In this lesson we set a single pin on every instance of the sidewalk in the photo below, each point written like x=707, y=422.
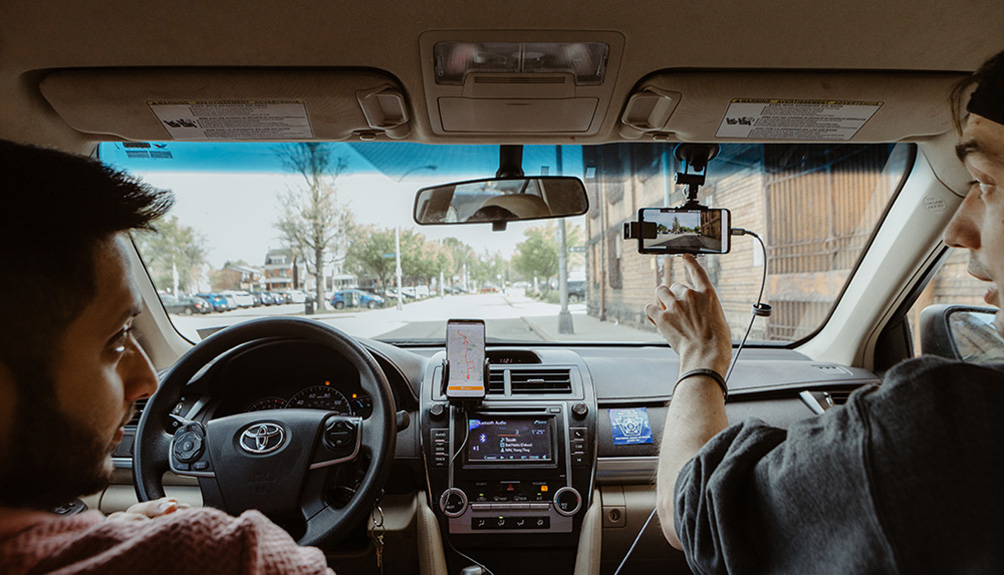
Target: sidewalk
x=587, y=328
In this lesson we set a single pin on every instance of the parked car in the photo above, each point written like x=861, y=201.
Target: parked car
x=356, y=298
x=185, y=305
x=576, y=290
x=242, y=299
x=218, y=301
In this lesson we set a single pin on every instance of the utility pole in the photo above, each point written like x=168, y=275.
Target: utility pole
x=397, y=240
x=564, y=316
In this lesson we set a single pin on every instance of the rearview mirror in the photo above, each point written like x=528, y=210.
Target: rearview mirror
x=501, y=200
x=961, y=332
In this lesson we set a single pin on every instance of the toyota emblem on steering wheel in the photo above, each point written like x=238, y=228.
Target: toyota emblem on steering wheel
x=262, y=438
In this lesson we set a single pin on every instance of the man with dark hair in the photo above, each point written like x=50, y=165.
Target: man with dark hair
x=70, y=372
x=904, y=478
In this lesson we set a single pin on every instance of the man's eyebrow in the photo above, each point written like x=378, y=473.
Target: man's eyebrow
x=963, y=149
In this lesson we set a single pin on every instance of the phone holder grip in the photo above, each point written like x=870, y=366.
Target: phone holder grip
x=446, y=380
x=643, y=230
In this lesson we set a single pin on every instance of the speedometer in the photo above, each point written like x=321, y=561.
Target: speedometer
x=266, y=403
x=321, y=397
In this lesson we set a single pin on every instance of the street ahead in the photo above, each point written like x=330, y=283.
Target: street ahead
x=509, y=317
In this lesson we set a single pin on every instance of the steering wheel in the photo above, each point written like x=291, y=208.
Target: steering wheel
x=275, y=461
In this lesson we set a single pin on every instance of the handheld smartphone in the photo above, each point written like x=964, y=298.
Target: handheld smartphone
x=684, y=230
x=465, y=358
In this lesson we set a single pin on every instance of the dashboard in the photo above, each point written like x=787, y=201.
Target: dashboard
x=565, y=443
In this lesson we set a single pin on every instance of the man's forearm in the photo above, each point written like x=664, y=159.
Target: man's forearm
x=695, y=415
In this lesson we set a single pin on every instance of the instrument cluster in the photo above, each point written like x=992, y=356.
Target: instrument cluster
x=326, y=396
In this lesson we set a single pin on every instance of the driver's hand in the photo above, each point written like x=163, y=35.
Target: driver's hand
x=692, y=321
x=150, y=510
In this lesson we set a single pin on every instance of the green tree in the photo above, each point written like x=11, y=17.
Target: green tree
x=537, y=255
x=313, y=221
x=173, y=246
x=366, y=255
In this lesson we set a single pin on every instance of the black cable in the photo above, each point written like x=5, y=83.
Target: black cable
x=760, y=309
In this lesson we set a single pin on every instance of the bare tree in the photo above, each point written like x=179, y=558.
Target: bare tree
x=313, y=221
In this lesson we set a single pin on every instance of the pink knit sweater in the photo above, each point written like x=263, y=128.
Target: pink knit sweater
x=191, y=541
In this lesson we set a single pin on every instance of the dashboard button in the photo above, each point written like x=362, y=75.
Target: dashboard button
x=567, y=501
x=540, y=523
x=453, y=502
x=540, y=506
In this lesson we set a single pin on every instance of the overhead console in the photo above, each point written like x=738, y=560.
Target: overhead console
x=517, y=469
x=519, y=82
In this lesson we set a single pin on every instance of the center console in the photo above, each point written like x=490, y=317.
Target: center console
x=518, y=467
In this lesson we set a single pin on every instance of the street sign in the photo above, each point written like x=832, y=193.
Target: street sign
x=389, y=256
x=576, y=249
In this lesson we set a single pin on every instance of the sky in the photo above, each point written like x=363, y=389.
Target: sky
x=229, y=192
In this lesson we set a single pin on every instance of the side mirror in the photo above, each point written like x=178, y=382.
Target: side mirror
x=501, y=200
x=961, y=332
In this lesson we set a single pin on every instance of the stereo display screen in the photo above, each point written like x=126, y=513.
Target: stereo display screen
x=512, y=438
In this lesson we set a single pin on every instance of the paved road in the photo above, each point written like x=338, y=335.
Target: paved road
x=510, y=317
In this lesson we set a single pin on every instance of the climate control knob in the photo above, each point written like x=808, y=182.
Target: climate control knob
x=567, y=501
x=453, y=502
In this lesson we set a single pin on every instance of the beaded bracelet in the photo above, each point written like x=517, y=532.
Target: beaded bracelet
x=708, y=373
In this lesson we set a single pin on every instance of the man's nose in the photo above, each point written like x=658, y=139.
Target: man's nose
x=963, y=231
x=139, y=378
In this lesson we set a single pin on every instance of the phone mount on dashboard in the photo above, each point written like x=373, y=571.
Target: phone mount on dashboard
x=694, y=157
x=465, y=402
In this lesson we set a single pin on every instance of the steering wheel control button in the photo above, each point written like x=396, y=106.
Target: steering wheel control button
x=262, y=438
x=567, y=501
x=453, y=502
x=340, y=435
x=188, y=443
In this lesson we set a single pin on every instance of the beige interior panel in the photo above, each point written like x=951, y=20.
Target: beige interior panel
x=913, y=105
x=517, y=116
x=117, y=102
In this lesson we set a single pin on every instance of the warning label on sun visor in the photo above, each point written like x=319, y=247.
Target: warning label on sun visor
x=778, y=119
x=234, y=119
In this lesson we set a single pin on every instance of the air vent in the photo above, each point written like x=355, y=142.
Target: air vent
x=496, y=382
x=540, y=381
x=140, y=405
x=820, y=401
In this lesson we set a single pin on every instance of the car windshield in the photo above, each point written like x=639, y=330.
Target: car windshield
x=326, y=230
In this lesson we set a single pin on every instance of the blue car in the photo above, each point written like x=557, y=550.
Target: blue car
x=355, y=298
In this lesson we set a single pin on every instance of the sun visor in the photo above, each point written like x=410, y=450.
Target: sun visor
x=230, y=104
x=789, y=106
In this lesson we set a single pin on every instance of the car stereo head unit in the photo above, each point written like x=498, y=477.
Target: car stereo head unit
x=510, y=439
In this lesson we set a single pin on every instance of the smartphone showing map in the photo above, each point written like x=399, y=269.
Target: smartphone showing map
x=465, y=356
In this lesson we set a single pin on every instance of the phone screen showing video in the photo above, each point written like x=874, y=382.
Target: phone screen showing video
x=686, y=231
x=465, y=355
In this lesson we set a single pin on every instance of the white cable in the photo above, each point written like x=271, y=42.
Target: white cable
x=636, y=540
